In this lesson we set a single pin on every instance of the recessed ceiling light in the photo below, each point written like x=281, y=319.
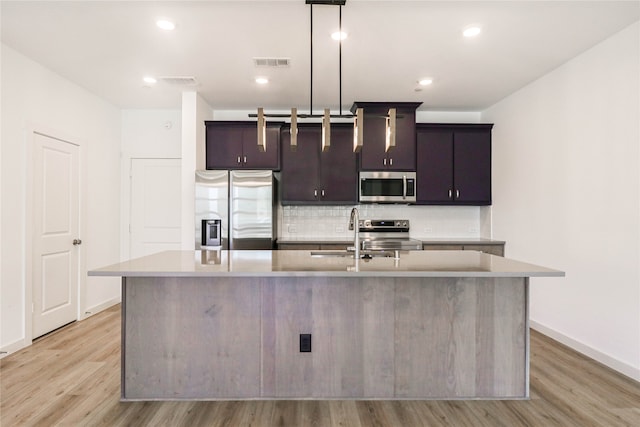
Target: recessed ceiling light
x=262, y=80
x=165, y=24
x=149, y=80
x=471, y=31
x=339, y=35
x=425, y=82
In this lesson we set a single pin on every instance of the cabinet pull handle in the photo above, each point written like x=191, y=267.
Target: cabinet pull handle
x=238, y=159
x=245, y=159
x=450, y=193
x=322, y=193
x=390, y=162
x=457, y=194
x=384, y=162
x=315, y=193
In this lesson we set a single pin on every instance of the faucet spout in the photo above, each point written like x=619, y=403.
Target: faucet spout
x=354, y=224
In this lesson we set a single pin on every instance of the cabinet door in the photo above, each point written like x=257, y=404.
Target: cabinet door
x=373, y=156
x=472, y=166
x=435, y=166
x=299, y=169
x=338, y=168
x=403, y=156
x=252, y=157
x=224, y=146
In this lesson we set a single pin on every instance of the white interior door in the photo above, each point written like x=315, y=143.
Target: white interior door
x=155, y=206
x=56, y=233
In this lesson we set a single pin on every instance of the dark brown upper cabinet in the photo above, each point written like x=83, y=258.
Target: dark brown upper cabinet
x=453, y=164
x=311, y=176
x=373, y=156
x=234, y=145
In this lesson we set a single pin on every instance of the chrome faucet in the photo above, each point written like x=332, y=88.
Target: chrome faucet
x=354, y=224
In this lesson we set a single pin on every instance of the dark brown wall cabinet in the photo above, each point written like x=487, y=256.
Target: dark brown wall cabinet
x=310, y=176
x=454, y=164
x=373, y=156
x=234, y=145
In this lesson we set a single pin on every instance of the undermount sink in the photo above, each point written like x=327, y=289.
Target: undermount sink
x=349, y=254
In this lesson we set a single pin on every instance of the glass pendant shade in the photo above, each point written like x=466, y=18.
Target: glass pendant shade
x=358, y=131
x=390, y=138
x=326, y=130
x=262, y=130
x=294, y=129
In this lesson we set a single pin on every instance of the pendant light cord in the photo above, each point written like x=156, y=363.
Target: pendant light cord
x=340, y=56
x=311, y=61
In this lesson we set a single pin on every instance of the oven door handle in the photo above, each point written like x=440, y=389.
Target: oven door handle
x=404, y=187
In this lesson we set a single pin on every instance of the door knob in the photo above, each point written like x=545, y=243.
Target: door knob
x=77, y=242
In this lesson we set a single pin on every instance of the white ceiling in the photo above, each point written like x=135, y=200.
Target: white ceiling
x=107, y=47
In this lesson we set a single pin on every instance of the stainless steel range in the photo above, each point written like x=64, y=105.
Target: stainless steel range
x=387, y=234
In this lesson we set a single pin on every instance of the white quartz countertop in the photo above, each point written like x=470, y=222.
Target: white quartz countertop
x=301, y=263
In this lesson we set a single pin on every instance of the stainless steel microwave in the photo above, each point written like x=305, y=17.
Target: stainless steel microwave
x=387, y=187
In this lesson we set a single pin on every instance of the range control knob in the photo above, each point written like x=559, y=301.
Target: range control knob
x=405, y=224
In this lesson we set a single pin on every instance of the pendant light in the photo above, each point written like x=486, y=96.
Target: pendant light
x=262, y=130
x=390, y=131
x=294, y=129
x=326, y=117
x=326, y=130
x=358, y=131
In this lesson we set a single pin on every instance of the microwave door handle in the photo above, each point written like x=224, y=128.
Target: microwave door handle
x=404, y=187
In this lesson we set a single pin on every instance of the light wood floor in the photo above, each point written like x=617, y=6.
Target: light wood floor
x=72, y=378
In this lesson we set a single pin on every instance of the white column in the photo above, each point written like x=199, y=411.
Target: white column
x=195, y=111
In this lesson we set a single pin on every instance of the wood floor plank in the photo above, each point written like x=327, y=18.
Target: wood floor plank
x=72, y=378
x=344, y=414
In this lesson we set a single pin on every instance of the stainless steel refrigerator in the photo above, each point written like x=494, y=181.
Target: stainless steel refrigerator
x=243, y=202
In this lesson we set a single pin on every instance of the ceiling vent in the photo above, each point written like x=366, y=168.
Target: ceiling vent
x=179, y=80
x=272, y=62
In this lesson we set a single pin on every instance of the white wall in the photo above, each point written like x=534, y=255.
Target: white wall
x=566, y=194
x=148, y=134
x=35, y=97
x=195, y=111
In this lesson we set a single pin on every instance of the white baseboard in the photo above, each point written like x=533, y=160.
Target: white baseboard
x=13, y=347
x=90, y=311
x=615, y=364
x=22, y=343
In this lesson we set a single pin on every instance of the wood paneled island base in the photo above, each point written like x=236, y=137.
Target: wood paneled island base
x=404, y=338
x=434, y=325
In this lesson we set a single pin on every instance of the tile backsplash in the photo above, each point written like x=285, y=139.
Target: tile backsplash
x=331, y=222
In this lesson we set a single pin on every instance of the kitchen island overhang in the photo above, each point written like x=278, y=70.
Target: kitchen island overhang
x=227, y=325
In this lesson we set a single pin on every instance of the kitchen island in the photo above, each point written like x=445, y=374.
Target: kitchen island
x=208, y=325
